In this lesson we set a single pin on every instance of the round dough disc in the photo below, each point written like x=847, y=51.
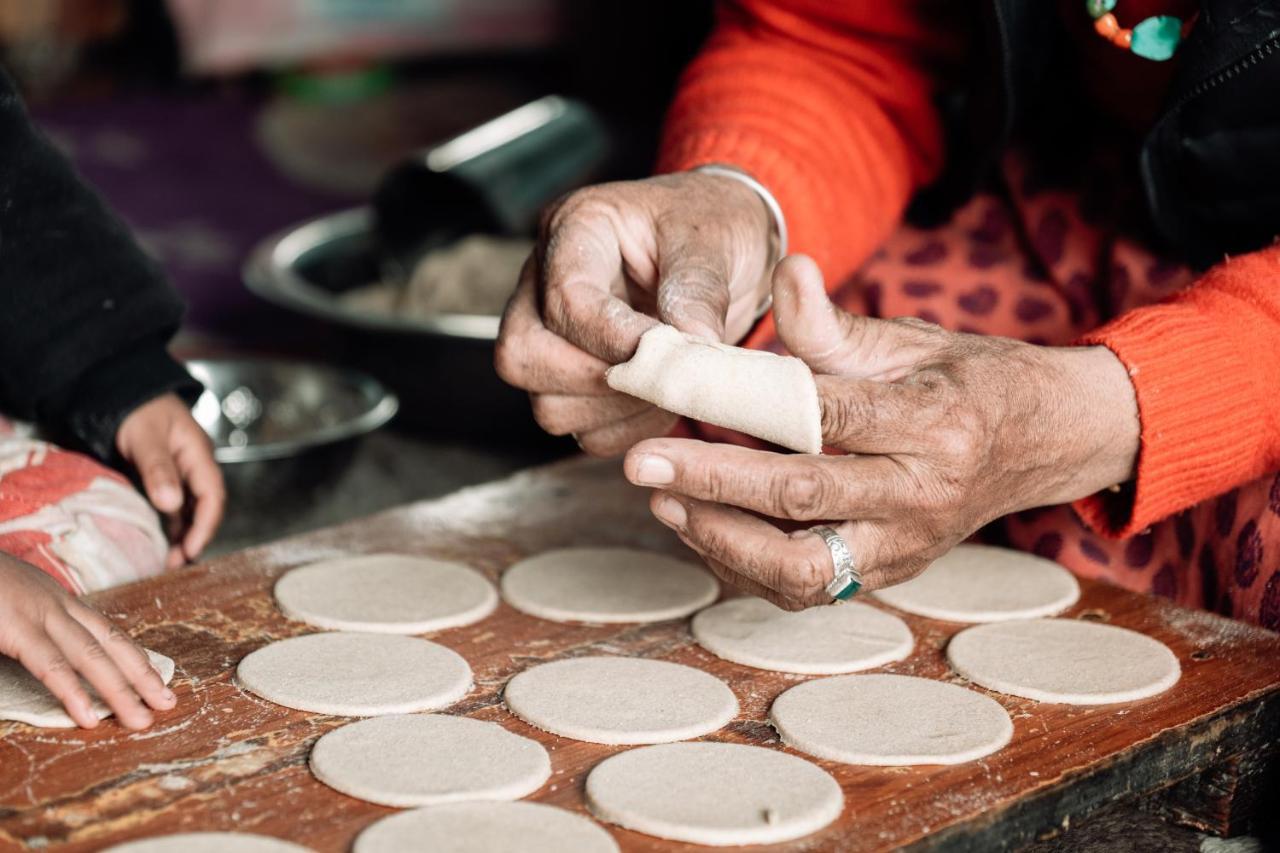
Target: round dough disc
x=427, y=759
x=719, y=794
x=356, y=675
x=607, y=585
x=1064, y=660
x=486, y=828
x=817, y=641
x=890, y=720
x=26, y=700
x=208, y=842
x=979, y=583
x=385, y=594
x=621, y=700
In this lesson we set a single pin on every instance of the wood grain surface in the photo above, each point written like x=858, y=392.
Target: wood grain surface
x=224, y=759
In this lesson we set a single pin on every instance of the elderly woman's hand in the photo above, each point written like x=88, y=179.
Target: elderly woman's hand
x=689, y=249
x=944, y=433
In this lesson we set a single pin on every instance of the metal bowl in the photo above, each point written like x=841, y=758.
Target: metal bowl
x=441, y=367
x=257, y=409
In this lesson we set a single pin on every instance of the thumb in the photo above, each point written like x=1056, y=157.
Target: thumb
x=693, y=295
x=812, y=328
x=148, y=450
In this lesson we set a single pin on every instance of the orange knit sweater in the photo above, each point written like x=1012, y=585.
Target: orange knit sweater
x=830, y=106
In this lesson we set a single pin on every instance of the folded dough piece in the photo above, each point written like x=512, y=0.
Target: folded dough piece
x=769, y=396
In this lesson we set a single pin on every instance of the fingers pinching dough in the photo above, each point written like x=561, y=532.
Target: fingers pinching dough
x=769, y=396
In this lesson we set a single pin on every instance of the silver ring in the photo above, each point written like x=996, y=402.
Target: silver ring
x=846, y=580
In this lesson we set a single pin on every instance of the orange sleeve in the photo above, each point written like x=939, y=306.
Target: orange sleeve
x=1205, y=367
x=829, y=105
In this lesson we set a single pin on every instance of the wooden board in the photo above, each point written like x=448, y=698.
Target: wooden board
x=224, y=759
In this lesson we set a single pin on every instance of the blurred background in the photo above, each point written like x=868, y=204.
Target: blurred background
x=218, y=129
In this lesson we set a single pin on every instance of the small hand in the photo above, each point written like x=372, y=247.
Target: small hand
x=691, y=249
x=60, y=639
x=174, y=458
x=944, y=432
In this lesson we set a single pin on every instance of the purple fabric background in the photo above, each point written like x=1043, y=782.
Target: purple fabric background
x=183, y=169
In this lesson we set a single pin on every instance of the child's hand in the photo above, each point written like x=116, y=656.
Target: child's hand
x=170, y=451
x=60, y=639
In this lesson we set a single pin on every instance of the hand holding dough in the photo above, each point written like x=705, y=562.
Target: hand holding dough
x=769, y=396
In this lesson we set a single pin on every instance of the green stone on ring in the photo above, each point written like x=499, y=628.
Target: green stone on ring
x=1157, y=38
x=1098, y=8
x=848, y=591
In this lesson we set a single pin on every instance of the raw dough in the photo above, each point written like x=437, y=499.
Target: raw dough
x=475, y=275
x=770, y=396
x=26, y=700
x=486, y=828
x=607, y=585
x=719, y=794
x=428, y=759
x=1064, y=660
x=890, y=720
x=385, y=594
x=356, y=675
x=817, y=641
x=978, y=583
x=208, y=842
x=621, y=700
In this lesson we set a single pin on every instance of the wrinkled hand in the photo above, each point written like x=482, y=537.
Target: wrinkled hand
x=689, y=249
x=945, y=432
x=60, y=639
x=174, y=458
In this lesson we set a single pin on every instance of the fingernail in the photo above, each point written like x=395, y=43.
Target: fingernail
x=655, y=471
x=168, y=696
x=168, y=497
x=671, y=512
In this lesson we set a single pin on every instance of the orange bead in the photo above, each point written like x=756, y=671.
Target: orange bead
x=1123, y=38
x=1107, y=25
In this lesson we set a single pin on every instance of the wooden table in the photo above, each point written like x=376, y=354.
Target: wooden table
x=224, y=759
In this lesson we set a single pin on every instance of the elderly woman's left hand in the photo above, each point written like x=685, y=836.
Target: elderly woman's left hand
x=944, y=433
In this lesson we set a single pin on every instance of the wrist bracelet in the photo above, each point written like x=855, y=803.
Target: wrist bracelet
x=775, y=212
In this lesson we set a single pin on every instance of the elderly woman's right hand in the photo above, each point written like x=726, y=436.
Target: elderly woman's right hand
x=692, y=249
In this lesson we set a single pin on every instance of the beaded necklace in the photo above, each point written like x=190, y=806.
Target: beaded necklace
x=1155, y=38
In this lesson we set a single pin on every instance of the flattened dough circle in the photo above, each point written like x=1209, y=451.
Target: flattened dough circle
x=386, y=594
x=25, y=700
x=429, y=759
x=208, y=842
x=1064, y=660
x=607, y=585
x=818, y=641
x=356, y=675
x=883, y=719
x=487, y=827
x=718, y=794
x=979, y=583
x=621, y=700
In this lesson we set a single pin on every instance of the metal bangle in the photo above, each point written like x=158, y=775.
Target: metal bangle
x=775, y=212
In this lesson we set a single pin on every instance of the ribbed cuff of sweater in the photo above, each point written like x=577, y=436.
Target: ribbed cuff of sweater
x=1196, y=389
x=89, y=414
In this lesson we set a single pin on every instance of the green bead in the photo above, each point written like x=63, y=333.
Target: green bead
x=1157, y=38
x=1098, y=8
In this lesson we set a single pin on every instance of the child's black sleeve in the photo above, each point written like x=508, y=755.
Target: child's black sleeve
x=84, y=314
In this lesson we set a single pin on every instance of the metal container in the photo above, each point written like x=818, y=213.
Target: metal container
x=282, y=430
x=494, y=178
x=440, y=367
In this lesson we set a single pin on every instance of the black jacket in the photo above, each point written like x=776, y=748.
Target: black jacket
x=84, y=314
x=1209, y=165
